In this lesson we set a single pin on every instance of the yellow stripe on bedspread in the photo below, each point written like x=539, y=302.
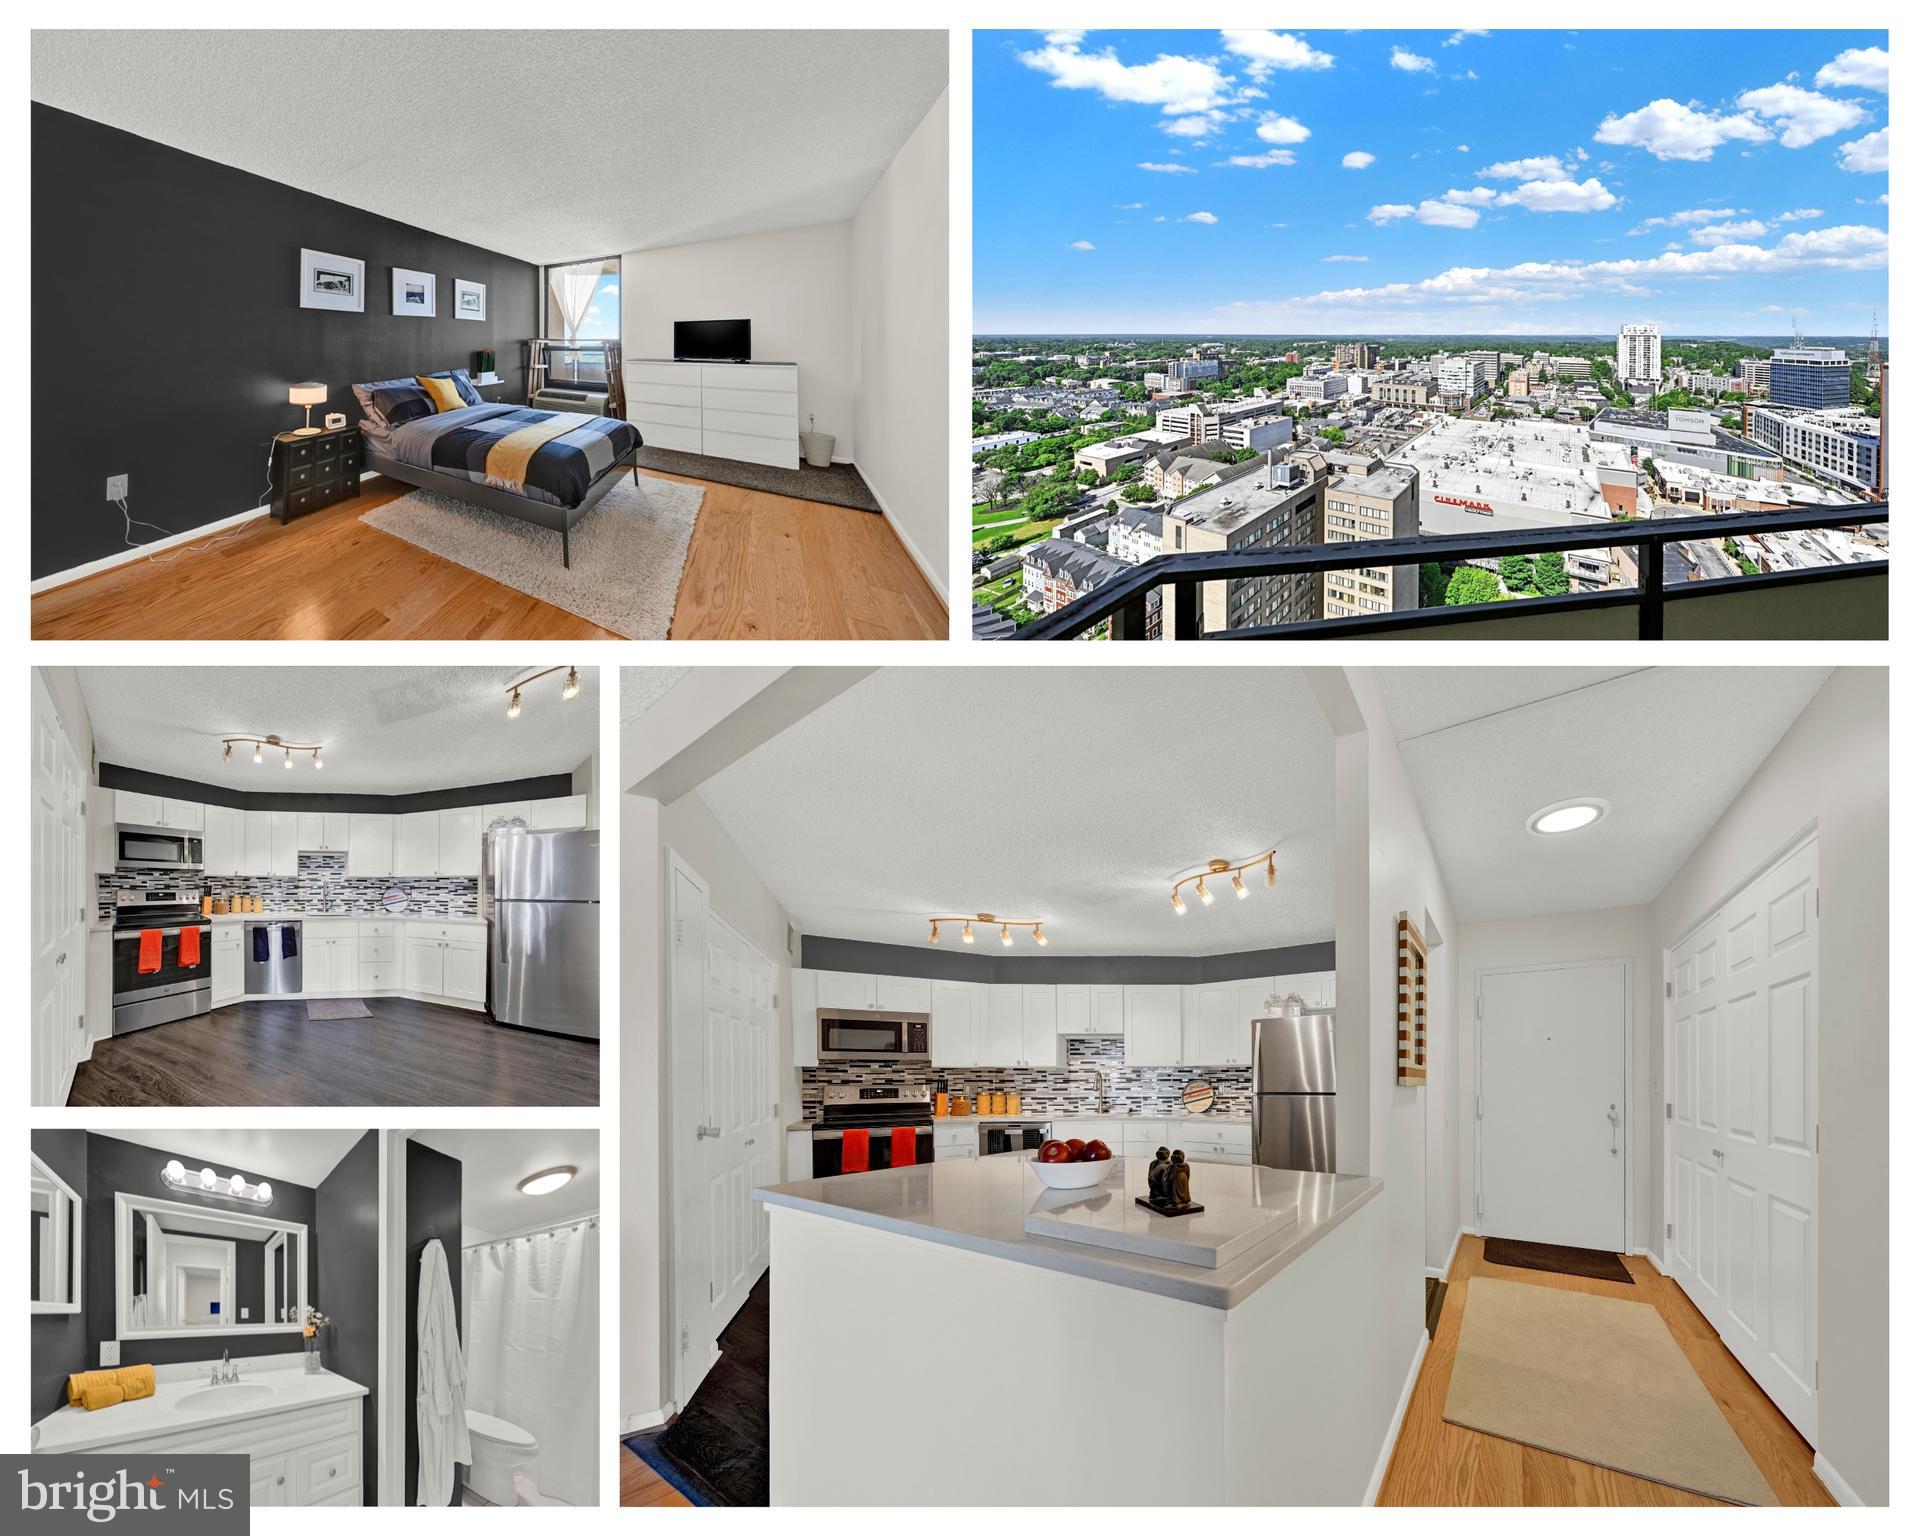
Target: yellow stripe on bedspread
x=507, y=459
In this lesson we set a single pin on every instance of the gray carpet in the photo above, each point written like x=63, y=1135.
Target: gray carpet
x=838, y=485
x=338, y=1008
x=628, y=552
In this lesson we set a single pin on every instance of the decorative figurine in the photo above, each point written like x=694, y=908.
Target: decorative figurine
x=1169, y=1185
x=1180, y=1181
x=1157, y=1172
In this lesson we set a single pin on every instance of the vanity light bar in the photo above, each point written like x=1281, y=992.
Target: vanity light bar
x=205, y=1182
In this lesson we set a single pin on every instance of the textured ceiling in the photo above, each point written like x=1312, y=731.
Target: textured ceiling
x=1668, y=748
x=550, y=146
x=387, y=730
x=493, y=1161
x=643, y=687
x=1069, y=793
x=299, y=1157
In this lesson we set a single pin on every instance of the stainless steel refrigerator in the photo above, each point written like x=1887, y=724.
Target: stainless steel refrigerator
x=1293, y=1092
x=540, y=895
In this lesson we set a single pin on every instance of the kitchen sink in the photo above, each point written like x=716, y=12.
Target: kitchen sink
x=233, y=1394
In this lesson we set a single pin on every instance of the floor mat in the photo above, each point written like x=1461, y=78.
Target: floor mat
x=1555, y=1259
x=838, y=485
x=693, y=1490
x=338, y=1008
x=720, y=1438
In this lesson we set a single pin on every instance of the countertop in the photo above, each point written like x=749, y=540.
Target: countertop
x=981, y=1205
x=74, y=1429
x=1041, y=1116
x=345, y=917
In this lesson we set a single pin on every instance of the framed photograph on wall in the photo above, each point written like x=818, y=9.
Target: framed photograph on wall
x=413, y=292
x=469, y=300
x=332, y=282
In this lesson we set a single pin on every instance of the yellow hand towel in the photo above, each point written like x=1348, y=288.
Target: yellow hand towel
x=104, y=1396
x=78, y=1383
x=135, y=1380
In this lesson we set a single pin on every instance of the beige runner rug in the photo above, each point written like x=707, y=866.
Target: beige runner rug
x=1599, y=1380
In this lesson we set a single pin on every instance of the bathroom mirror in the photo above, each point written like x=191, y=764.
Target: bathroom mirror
x=183, y=1270
x=54, y=1257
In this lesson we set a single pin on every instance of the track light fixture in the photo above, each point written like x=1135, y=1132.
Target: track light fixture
x=1216, y=868
x=1006, y=925
x=570, y=689
x=260, y=744
x=513, y=706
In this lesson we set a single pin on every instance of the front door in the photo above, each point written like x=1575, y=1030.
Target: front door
x=1552, y=1104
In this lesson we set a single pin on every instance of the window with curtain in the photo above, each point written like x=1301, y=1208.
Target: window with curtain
x=583, y=308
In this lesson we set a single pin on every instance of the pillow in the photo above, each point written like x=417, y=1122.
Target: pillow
x=444, y=393
x=389, y=403
x=462, y=382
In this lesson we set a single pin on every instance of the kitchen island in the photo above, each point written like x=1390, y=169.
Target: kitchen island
x=928, y=1348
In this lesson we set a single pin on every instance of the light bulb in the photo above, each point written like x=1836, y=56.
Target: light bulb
x=227, y=755
x=236, y=1185
x=316, y=759
x=1179, y=905
x=966, y=933
x=173, y=1173
x=1039, y=936
x=572, y=687
x=1269, y=869
x=933, y=933
x=263, y=1191
x=207, y=1180
x=1239, y=886
x=256, y=751
x=289, y=759
x=513, y=706
x=1006, y=936
x=1205, y=895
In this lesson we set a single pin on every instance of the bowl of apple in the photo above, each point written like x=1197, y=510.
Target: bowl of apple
x=1073, y=1163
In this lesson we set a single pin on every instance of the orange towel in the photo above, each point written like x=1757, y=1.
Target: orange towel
x=905, y=1146
x=81, y=1382
x=189, y=948
x=102, y=1397
x=853, y=1152
x=149, y=962
x=134, y=1380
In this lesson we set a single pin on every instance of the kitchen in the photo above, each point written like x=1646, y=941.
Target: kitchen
x=423, y=931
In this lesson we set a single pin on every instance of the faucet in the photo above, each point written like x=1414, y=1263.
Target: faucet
x=1100, y=1103
x=226, y=1372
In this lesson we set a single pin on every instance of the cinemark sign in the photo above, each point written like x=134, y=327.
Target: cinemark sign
x=1461, y=501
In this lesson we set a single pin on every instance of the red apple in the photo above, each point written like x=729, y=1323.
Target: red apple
x=1077, y=1147
x=1055, y=1152
x=1098, y=1151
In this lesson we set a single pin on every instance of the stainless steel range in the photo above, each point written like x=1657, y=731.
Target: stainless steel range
x=877, y=1111
x=153, y=982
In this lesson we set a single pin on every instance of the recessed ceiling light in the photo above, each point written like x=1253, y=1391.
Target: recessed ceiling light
x=546, y=1181
x=1566, y=816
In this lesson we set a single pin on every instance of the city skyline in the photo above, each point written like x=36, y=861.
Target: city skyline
x=1269, y=183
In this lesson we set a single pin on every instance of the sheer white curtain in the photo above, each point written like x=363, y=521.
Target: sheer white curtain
x=572, y=290
x=533, y=1349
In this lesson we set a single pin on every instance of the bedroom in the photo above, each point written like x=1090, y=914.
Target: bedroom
x=654, y=348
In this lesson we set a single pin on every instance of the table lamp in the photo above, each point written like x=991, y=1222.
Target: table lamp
x=308, y=395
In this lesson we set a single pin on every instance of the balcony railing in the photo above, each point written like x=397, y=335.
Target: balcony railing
x=1124, y=599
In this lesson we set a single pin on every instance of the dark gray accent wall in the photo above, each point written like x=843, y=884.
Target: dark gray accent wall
x=549, y=786
x=944, y=962
x=177, y=279
x=433, y=1210
x=59, y=1339
x=347, y=1209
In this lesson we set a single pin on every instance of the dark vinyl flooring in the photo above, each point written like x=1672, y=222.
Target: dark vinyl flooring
x=719, y=1440
x=407, y=1053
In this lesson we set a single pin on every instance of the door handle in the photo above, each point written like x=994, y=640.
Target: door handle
x=749, y=1141
x=702, y=1132
x=1613, y=1119
x=1719, y=1154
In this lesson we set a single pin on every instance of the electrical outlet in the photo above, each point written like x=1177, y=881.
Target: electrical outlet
x=244, y=1314
x=109, y=1353
x=116, y=487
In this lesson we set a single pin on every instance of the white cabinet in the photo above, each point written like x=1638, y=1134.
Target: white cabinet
x=1092, y=1128
x=847, y=989
x=951, y=1142
x=745, y=411
x=1040, y=1034
x=370, y=845
x=256, y=843
x=424, y=969
x=903, y=994
x=1220, y=1021
x=324, y=832
x=1109, y=1010
x=806, y=1025
x=223, y=849
x=138, y=810
x=105, y=845
x=332, y=957
x=285, y=854
x=460, y=841
x=1005, y=1040
x=227, y=969
x=952, y=1008
x=442, y=961
x=466, y=972
x=799, y=1154
x=1153, y=1026
x=562, y=814
x=1091, y=1008
x=416, y=843
x=1315, y=987
x=1073, y=1008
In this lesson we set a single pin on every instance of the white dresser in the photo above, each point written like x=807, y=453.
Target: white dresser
x=745, y=411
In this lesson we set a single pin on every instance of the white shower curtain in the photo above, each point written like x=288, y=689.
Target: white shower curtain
x=533, y=1347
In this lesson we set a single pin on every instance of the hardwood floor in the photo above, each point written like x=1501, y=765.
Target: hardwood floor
x=409, y=1053
x=643, y=1488
x=760, y=567
x=1437, y=1463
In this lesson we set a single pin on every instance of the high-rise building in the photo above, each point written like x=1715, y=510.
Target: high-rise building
x=1190, y=368
x=1842, y=443
x=1755, y=374
x=1278, y=506
x=1384, y=504
x=1637, y=354
x=1356, y=354
x=1814, y=378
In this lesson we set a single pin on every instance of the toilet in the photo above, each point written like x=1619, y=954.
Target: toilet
x=501, y=1453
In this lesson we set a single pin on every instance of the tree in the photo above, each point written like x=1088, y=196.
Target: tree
x=1470, y=584
x=1516, y=573
x=993, y=486
x=1433, y=584
x=1138, y=491
x=1550, y=574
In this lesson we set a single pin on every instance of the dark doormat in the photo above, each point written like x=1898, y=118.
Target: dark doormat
x=1436, y=1299
x=838, y=485
x=1552, y=1258
x=719, y=1440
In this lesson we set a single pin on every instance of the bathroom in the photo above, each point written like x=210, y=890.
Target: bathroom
x=291, y=1294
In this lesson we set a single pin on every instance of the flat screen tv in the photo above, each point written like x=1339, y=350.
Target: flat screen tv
x=712, y=341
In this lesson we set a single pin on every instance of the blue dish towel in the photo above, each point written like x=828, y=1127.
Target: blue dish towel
x=260, y=945
x=289, y=943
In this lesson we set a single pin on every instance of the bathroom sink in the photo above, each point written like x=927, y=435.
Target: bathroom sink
x=233, y=1394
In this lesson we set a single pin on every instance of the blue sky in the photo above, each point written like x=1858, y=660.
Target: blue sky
x=1405, y=182
x=603, y=314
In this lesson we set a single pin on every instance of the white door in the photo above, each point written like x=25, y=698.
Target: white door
x=59, y=893
x=425, y=966
x=1744, y=1143
x=1552, y=1104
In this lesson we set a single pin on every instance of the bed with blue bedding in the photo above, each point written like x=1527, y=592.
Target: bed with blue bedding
x=545, y=467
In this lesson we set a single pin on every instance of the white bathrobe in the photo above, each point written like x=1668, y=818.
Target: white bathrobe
x=440, y=1403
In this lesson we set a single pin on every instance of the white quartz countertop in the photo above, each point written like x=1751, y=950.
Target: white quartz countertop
x=1042, y=1116
x=981, y=1205
x=187, y=1402
x=346, y=917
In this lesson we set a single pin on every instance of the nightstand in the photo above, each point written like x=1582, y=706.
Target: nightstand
x=309, y=473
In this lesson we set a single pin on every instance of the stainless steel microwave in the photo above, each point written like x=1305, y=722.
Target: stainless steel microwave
x=156, y=848
x=862, y=1034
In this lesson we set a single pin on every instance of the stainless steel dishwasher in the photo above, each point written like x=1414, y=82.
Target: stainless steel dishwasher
x=271, y=952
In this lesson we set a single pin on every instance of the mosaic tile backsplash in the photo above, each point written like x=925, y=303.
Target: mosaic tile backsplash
x=1055, y=1091
x=323, y=887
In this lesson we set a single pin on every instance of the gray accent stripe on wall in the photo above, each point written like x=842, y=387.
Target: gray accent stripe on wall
x=943, y=963
x=548, y=786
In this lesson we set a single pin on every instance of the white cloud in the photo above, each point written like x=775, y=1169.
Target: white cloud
x=1265, y=51
x=1864, y=67
x=1444, y=215
x=1462, y=35
x=1344, y=258
x=1669, y=131
x=1065, y=38
x=1477, y=197
x=611, y=288
x=1802, y=116
x=1129, y=207
x=1561, y=195
x=1796, y=215
x=1685, y=216
x=1462, y=148
x=1865, y=155
x=1739, y=229
x=1261, y=161
x=1202, y=217
x=1080, y=245
x=1356, y=160
x=1412, y=63
x=1386, y=213
x=1175, y=84
x=1275, y=129
x=1528, y=168
x=1168, y=168
x=1197, y=126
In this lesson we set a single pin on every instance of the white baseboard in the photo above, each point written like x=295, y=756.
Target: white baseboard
x=913, y=550
x=1393, y=1428
x=1447, y=1268
x=1836, y=1484
x=638, y=1421
x=1652, y=1258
